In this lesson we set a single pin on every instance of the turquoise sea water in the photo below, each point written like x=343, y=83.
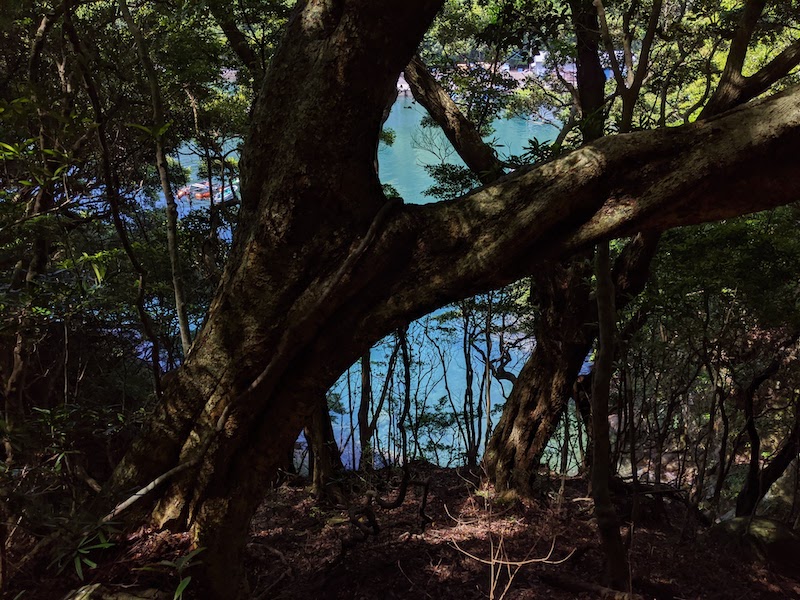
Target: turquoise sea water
x=401, y=164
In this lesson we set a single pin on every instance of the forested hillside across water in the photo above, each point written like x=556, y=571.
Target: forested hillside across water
x=418, y=298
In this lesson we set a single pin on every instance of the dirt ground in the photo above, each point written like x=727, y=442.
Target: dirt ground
x=542, y=549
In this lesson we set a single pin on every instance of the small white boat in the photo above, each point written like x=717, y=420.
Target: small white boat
x=228, y=192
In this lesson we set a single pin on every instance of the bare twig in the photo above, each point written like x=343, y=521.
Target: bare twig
x=548, y=560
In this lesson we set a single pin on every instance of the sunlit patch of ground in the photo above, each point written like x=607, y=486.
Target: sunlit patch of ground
x=301, y=550
x=305, y=550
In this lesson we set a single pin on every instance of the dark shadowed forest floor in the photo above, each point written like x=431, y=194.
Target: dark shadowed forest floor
x=303, y=550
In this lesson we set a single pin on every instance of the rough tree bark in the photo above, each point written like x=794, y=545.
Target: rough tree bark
x=323, y=266
x=326, y=461
x=543, y=386
x=734, y=87
x=565, y=333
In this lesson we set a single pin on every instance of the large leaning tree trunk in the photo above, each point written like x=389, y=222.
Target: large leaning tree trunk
x=323, y=266
x=301, y=272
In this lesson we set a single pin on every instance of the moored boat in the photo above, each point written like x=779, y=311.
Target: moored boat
x=202, y=191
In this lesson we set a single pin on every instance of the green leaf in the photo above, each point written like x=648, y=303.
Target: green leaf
x=100, y=546
x=163, y=129
x=181, y=587
x=147, y=130
x=186, y=560
x=147, y=568
x=99, y=272
x=79, y=567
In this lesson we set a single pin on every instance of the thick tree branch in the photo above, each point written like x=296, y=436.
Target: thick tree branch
x=632, y=268
x=732, y=81
x=735, y=164
x=647, y=44
x=644, y=246
x=591, y=78
x=608, y=43
x=431, y=255
x=777, y=68
x=461, y=132
x=35, y=55
x=222, y=15
x=741, y=39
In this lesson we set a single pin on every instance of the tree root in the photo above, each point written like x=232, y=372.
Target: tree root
x=367, y=512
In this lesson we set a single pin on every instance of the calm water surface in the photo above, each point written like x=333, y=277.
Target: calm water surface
x=401, y=164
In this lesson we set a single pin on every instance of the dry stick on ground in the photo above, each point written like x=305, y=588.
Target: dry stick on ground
x=548, y=560
x=499, y=556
